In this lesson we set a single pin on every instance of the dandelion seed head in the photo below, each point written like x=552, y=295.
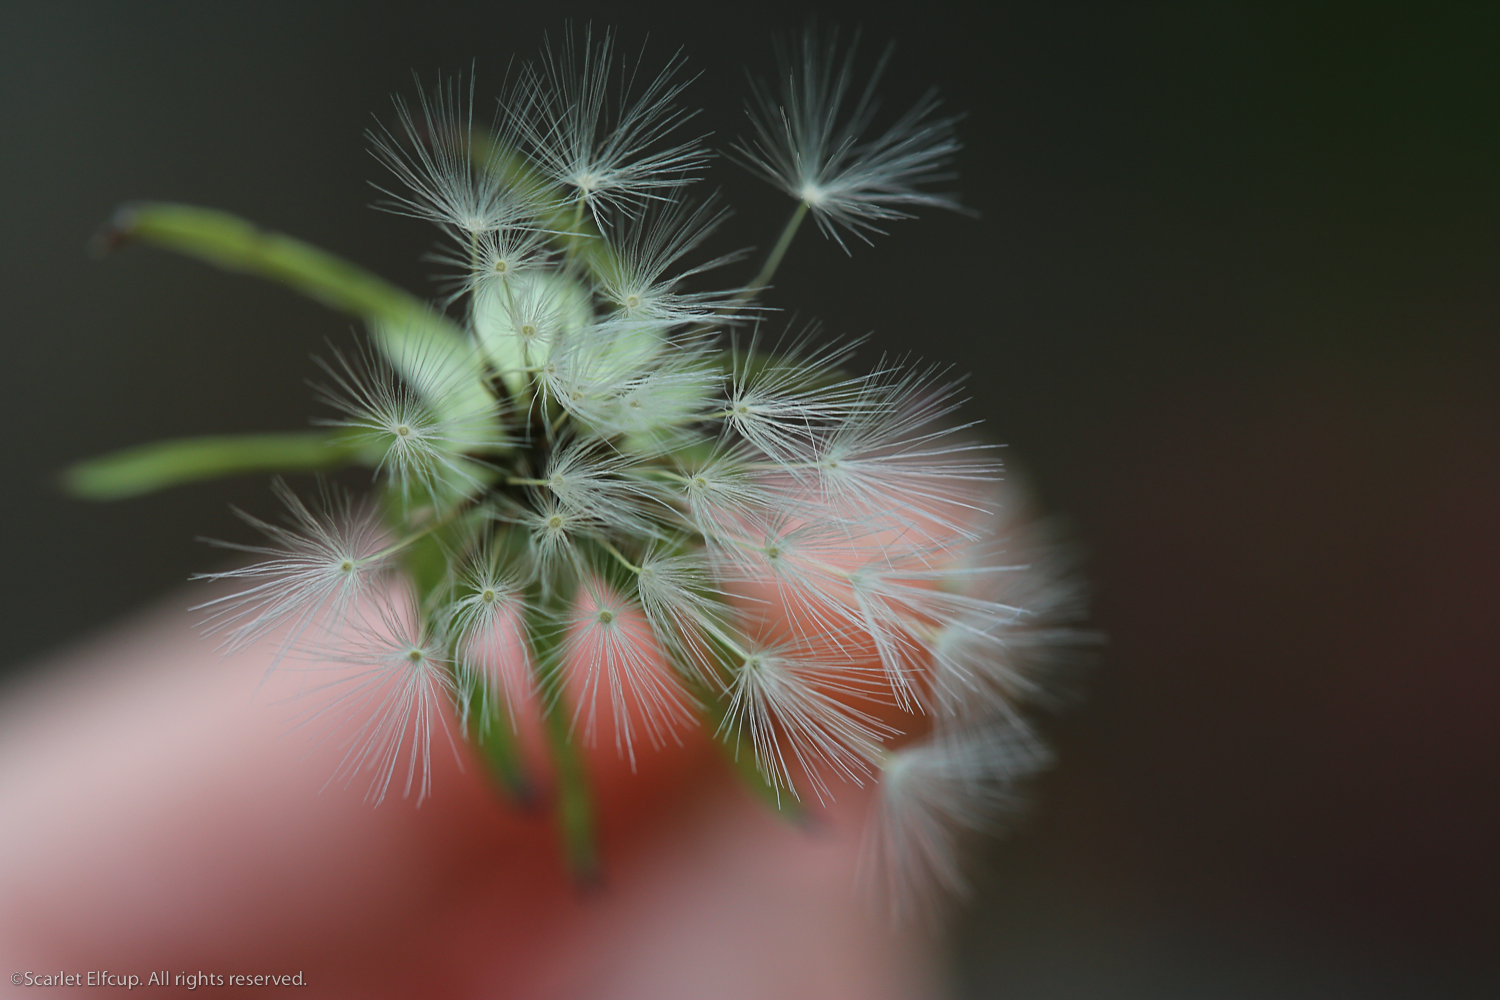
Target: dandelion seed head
x=417, y=410
x=641, y=277
x=800, y=728
x=612, y=498
x=615, y=656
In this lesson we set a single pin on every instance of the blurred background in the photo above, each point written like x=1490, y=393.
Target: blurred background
x=1231, y=301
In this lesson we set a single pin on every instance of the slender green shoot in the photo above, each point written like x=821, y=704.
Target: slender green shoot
x=773, y=259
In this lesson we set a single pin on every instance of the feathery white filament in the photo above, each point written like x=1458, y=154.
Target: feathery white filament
x=488, y=606
x=434, y=156
x=930, y=793
x=634, y=278
x=795, y=707
x=414, y=411
x=315, y=574
x=399, y=691
x=599, y=144
x=780, y=404
x=680, y=598
x=892, y=453
x=609, y=648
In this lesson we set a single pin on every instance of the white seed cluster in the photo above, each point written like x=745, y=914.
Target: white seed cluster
x=624, y=501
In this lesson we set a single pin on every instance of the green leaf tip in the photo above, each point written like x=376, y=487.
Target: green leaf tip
x=236, y=244
x=406, y=329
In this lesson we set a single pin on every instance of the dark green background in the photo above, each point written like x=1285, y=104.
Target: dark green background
x=1231, y=301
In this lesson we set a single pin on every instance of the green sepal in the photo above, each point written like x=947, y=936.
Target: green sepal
x=490, y=732
x=428, y=562
x=147, y=468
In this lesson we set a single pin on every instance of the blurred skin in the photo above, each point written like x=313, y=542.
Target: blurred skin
x=157, y=813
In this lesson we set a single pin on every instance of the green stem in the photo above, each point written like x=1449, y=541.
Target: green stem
x=574, y=797
x=620, y=558
x=773, y=261
x=146, y=468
